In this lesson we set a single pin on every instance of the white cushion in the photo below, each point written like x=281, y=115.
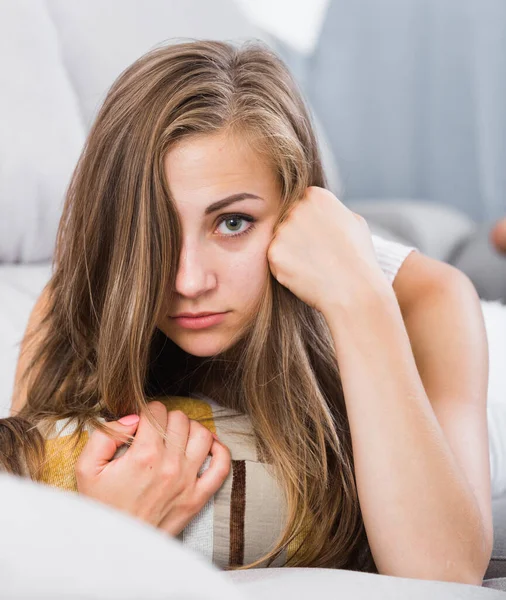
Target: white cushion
x=56, y=545
x=41, y=132
x=60, y=57
x=298, y=583
x=20, y=286
x=100, y=39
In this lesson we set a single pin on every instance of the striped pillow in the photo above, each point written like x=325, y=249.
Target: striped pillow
x=245, y=517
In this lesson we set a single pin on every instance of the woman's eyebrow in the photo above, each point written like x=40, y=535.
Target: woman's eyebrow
x=228, y=200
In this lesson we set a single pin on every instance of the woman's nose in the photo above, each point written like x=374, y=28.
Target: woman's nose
x=194, y=277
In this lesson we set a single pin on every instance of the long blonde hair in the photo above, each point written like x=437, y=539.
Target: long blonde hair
x=114, y=270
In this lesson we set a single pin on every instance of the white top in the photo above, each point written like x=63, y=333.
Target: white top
x=390, y=255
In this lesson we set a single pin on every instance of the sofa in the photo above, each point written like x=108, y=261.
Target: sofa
x=58, y=59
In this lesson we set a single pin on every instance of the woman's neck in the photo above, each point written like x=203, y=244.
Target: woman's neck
x=170, y=369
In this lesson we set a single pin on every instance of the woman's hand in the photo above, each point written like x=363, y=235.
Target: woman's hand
x=155, y=479
x=323, y=252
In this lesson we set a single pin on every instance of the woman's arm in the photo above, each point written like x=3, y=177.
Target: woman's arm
x=424, y=494
x=444, y=320
x=415, y=394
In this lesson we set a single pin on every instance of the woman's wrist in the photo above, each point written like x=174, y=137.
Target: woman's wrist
x=359, y=300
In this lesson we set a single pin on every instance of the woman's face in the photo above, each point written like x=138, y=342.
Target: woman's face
x=223, y=265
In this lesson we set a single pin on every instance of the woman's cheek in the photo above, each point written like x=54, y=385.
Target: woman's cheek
x=249, y=274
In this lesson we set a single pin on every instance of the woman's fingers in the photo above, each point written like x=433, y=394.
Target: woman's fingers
x=177, y=431
x=213, y=477
x=200, y=440
x=148, y=438
x=163, y=462
x=101, y=447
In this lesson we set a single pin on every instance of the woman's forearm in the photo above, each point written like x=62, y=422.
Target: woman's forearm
x=421, y=518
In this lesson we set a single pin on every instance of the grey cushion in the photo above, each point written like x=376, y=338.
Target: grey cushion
x=442, y=233
x=435, y=229
x=477, y=257
x=497, y=566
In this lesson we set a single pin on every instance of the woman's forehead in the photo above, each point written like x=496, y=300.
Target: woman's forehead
x=207, y=168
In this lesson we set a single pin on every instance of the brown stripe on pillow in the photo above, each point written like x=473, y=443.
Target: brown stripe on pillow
x=237, y=510
x=264, y=516
x=221, y=526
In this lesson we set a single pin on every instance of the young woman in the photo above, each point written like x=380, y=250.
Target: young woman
x=201, y=190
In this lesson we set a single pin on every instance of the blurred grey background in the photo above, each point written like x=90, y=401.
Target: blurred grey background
x=411, y=93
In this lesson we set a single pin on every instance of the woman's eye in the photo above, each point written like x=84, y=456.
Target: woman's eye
x=234, y=225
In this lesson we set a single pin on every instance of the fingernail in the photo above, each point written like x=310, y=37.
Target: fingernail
x=129, y=420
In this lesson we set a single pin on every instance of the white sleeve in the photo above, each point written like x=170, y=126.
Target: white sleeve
x=390, y=255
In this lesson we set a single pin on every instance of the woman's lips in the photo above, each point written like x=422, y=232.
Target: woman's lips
x=199, y=322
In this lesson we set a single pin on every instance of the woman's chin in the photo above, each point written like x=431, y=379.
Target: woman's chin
x=201, y=345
